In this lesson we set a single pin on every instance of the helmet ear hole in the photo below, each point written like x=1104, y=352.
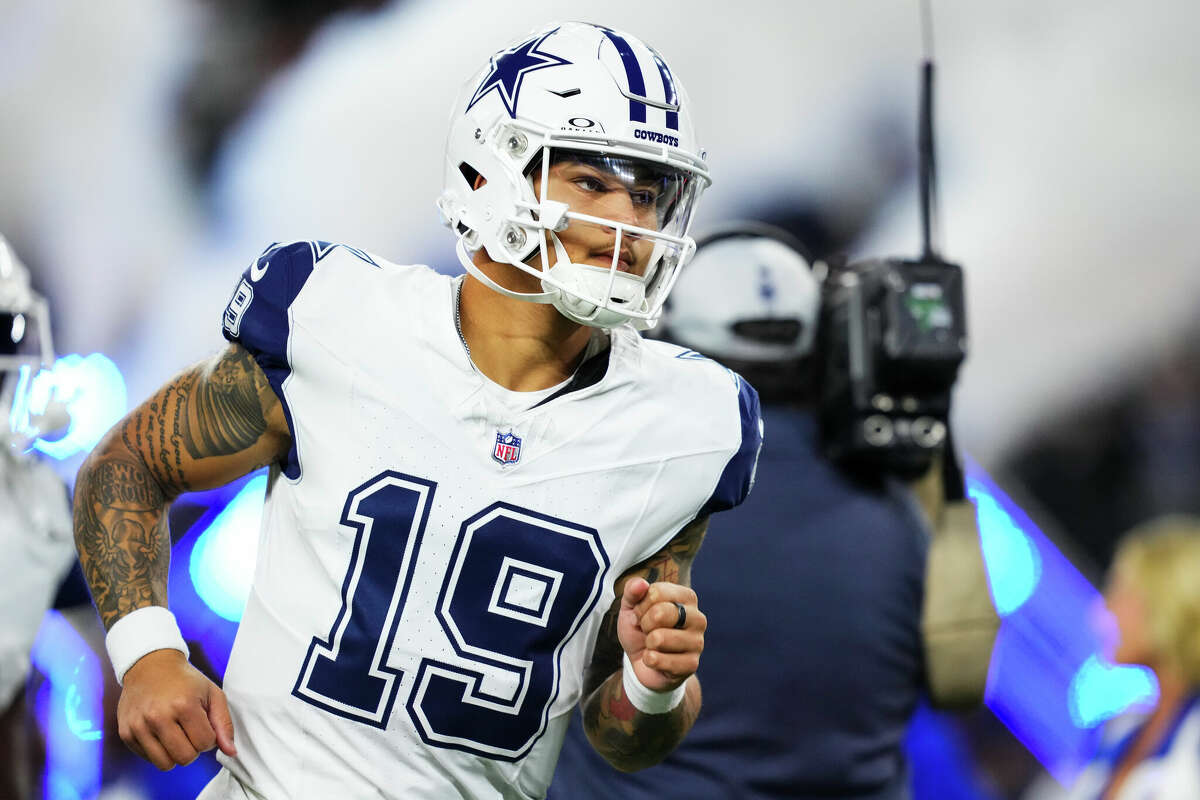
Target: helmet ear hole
x=472, y=176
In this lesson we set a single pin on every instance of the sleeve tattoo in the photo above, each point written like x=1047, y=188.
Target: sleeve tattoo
x=627, y=738
x=161, y=449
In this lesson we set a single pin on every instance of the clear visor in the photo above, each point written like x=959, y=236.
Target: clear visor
x=624, y=219
x=636, y=192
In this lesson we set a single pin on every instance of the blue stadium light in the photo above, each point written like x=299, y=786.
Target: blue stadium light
x=94, y=392
x=1013, y=564
x=222, y=560
x=1101, y=690
x=1048, y=681
x=69, y=709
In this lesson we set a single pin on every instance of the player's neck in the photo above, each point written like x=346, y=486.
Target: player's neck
x=521, y=346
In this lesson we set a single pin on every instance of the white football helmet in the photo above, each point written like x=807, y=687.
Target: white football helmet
x=769, y=298
x=25, y=349
x=578, y=92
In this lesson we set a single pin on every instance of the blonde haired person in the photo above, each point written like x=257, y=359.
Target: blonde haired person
x=1153, y=593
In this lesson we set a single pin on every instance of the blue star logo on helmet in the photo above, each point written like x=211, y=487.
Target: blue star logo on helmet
x=509, y=68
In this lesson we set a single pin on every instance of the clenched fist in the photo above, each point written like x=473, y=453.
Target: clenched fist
x=663, y=655
x=169, y=712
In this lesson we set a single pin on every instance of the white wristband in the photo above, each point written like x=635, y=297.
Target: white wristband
x=141, y=632
x=646, y=700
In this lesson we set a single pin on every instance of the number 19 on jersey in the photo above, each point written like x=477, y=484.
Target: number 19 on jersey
x=516, y=588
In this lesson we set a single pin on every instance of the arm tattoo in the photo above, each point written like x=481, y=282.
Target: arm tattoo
x=122, y=538
x=151, y=457
x=627, y=738
x=224, y=412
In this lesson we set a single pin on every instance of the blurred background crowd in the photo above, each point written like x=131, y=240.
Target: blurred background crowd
x=149, y=149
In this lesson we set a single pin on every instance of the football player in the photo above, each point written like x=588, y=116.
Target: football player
x=35, y=522
x=485, y=492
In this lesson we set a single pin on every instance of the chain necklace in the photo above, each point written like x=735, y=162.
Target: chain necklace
x=597, y=342
x=458, y=318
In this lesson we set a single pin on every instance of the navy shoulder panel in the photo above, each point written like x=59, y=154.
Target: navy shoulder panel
x=256, y=317
x=738, y=476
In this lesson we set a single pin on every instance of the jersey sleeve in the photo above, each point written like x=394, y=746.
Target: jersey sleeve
x=258, y=318
x=737, y=479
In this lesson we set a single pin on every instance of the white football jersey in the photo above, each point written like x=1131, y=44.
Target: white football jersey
x=434, y=561
x=35, y=537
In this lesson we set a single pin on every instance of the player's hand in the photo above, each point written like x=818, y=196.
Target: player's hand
x=169, y=712
x=663, y=656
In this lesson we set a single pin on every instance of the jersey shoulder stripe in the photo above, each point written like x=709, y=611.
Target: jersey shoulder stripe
x=737, y=479
x=257, y=317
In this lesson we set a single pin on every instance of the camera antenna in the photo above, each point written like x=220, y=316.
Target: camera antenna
x=925, y=160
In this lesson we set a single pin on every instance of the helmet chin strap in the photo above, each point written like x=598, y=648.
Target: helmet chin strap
x=470, y=266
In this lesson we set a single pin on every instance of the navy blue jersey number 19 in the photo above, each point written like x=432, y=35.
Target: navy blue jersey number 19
x=517, y=586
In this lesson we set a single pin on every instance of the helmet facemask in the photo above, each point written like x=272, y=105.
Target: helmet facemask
x=640, y=247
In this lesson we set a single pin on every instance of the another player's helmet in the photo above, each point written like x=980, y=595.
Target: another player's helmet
x=768, y=297
x=581, y=92
x=25, y=344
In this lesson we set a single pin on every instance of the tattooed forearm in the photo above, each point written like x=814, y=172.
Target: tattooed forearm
x=224, y=414
x=121, y=535
x=606, y=657
x=205, y=428
x=629, y=739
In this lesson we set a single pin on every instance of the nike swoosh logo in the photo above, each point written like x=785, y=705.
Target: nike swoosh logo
x=256, y=272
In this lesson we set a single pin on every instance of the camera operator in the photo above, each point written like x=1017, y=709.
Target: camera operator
x=831, y=607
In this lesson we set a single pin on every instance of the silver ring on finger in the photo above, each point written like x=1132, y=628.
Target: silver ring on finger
x=681, y=620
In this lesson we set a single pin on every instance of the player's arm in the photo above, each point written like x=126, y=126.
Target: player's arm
x=213, y=423
x=641, y=625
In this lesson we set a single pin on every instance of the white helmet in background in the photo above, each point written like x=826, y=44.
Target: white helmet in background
x=25, y=348
x=581, y=92
x=749, y=296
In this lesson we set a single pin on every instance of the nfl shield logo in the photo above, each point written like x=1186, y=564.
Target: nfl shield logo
x=508, y=448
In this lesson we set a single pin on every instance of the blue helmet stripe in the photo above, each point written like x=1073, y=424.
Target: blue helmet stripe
x=668, y=91
x=633, y=73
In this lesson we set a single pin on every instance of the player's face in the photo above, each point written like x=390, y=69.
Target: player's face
x=1128, y=608
x=609, y=189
